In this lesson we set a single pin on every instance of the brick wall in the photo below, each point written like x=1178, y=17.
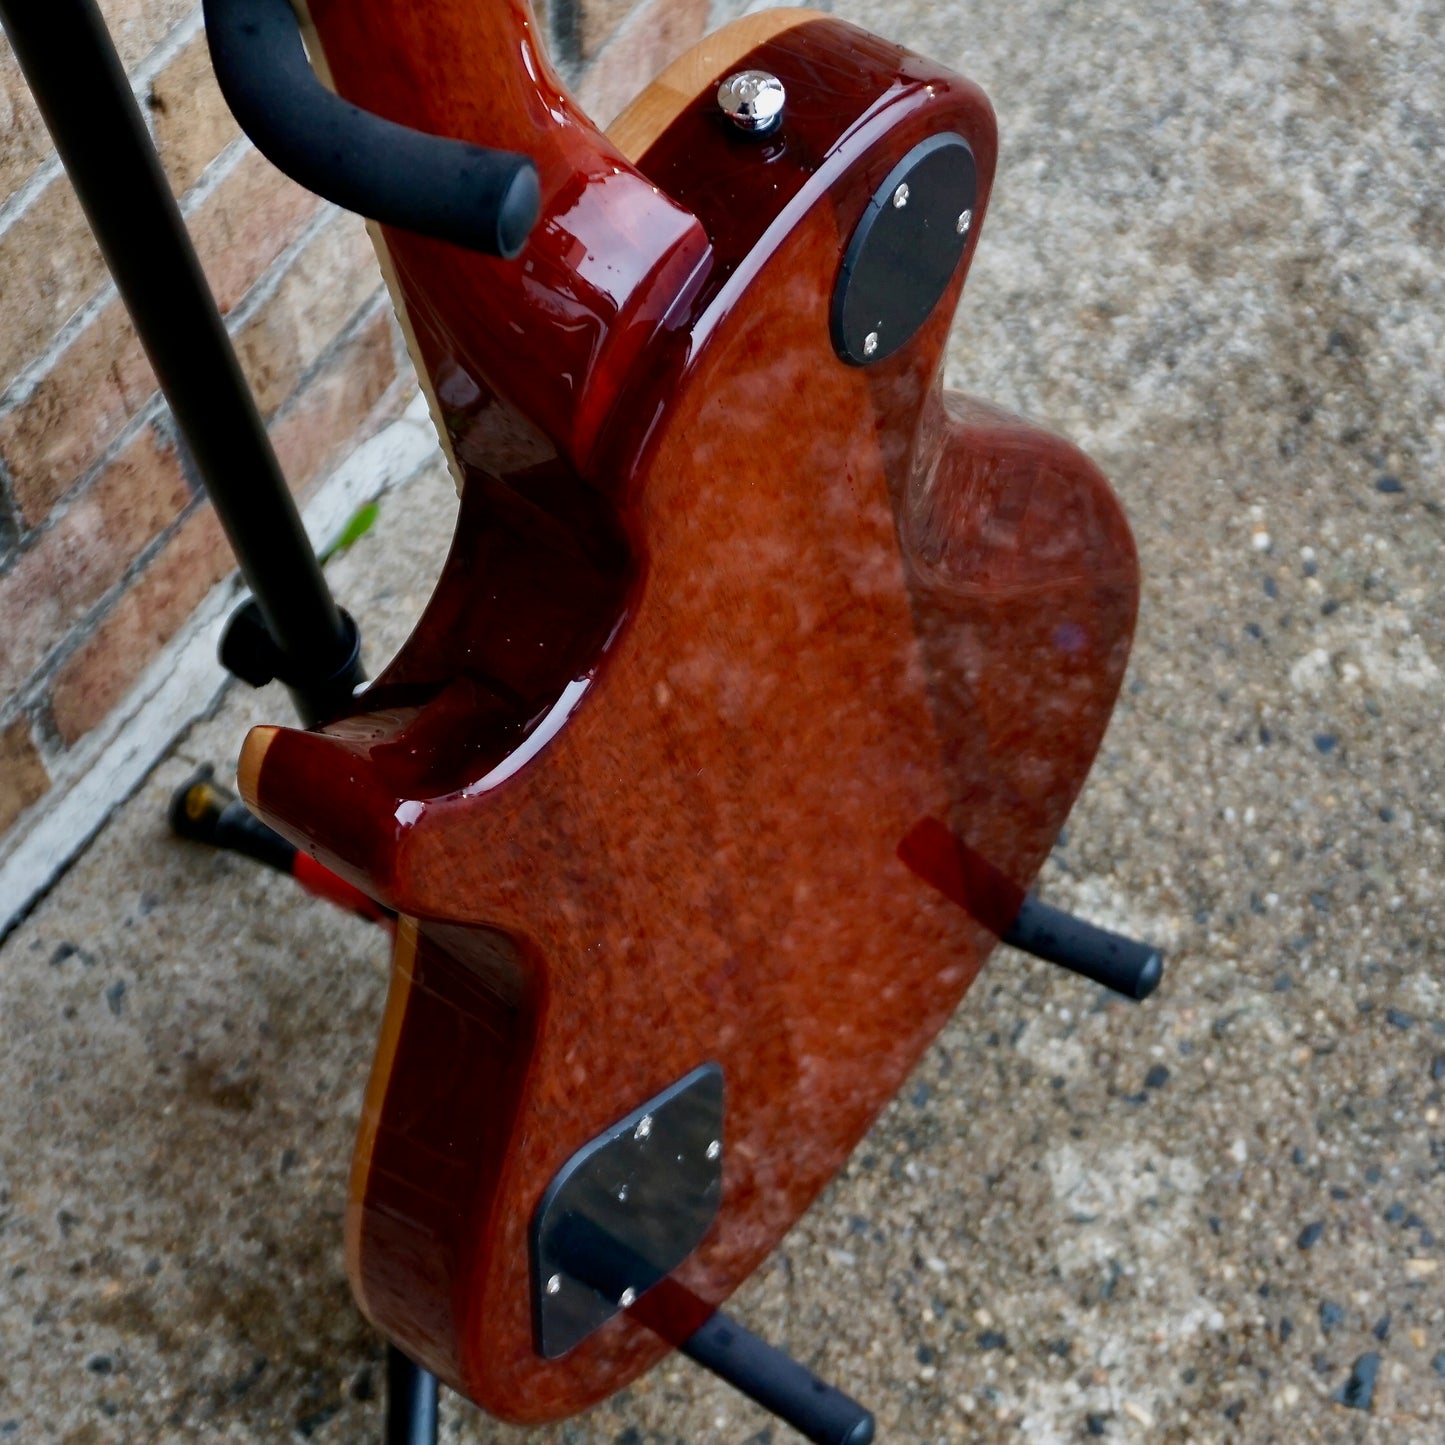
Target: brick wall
x=107, y=545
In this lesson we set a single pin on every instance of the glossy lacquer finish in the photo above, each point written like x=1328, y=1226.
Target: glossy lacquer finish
x=748, y=667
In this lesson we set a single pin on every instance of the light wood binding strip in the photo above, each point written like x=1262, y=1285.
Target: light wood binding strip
x=253, y=759
x=248, y=775
x=397, y=999
x=707, y=64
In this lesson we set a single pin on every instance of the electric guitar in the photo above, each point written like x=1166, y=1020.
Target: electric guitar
x=758, y=683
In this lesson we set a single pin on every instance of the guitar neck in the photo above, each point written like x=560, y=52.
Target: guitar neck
x=521, y=359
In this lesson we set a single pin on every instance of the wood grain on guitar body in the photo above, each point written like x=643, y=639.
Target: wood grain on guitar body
x=726, y=618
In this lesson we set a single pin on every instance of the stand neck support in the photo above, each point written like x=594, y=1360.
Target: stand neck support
x=600, y=253
x=482, y=199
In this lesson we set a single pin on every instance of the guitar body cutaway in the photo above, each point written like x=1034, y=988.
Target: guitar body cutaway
x=725, y=620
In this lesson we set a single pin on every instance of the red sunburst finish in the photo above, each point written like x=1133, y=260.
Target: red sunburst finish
x=725, y=620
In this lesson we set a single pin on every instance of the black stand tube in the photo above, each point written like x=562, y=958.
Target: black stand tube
x=206, y=813
x=411, y=1402
x=779, y=1384
x=1125, y=965
x=815, y=1409
x=484, y=199
x=69, y=60
x=67, y=56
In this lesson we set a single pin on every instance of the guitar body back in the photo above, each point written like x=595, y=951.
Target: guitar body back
x=727, y=629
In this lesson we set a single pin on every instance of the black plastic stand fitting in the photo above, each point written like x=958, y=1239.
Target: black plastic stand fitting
x=249, y=652
x=777, y=1382
x=411, y=1401
x=780, y=1384
x=485, y=200
x=203, y=812
x=1125, y=965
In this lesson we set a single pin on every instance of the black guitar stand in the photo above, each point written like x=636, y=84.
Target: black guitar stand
x=292, y=629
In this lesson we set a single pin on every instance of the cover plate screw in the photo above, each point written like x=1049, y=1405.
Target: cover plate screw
x=900, y=196
x=964, y=222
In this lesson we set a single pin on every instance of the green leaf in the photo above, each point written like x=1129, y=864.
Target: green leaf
x=353, y=532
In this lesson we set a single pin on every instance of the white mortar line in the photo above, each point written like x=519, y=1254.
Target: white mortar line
x=217, y=169
x=269, y=282
x=22, y=388
x=24, y=196
x=165, y=50
x=180, y=685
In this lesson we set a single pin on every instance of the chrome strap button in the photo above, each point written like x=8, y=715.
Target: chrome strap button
x=753, y=100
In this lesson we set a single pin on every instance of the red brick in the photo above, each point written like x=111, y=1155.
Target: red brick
x=55, y=436
x=23, y=778
x=245, y=224
x=72, y=566
x=320, y=426
x=140, y=624
x=27, y=142
x=598, y=20
x=651, y=38
x=49, y=267
x=325, y=286
x=191, y=120
x=103, y=379
x=138, y=26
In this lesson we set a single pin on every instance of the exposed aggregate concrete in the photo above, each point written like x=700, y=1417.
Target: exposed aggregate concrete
x=1214, y=259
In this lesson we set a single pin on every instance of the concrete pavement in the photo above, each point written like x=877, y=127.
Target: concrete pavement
x=1214, y=259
